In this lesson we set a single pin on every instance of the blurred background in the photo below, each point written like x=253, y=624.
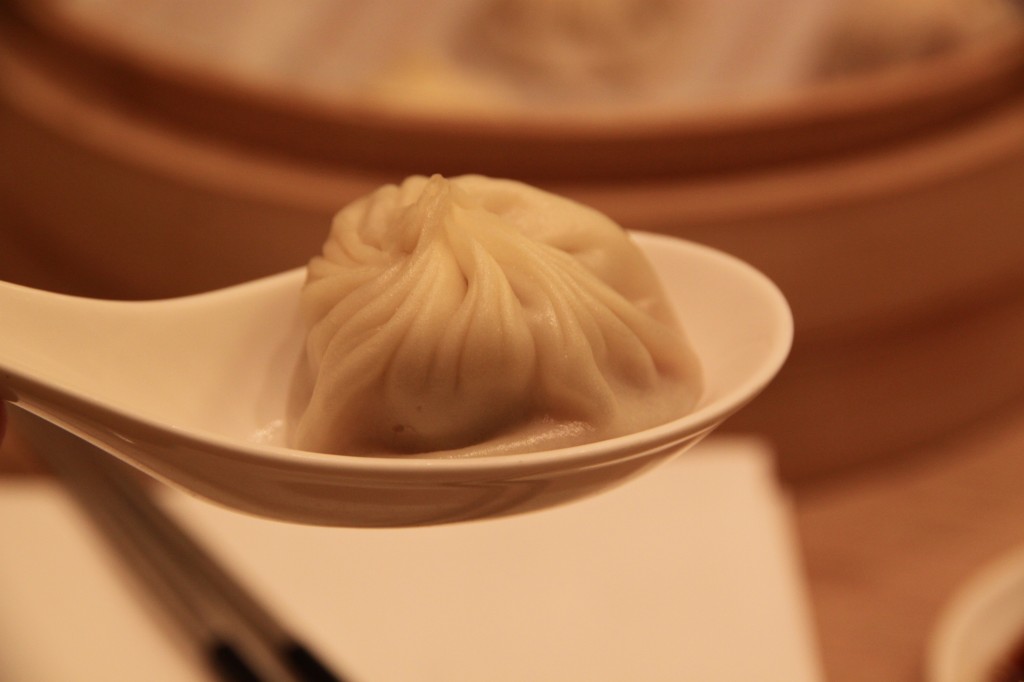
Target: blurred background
x=867, y=155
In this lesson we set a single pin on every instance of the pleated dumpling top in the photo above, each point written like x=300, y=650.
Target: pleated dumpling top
x=473, y=316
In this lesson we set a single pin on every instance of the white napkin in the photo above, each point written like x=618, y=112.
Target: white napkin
x=690, y=572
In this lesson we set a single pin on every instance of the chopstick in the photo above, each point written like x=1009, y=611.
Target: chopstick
x=240, y=640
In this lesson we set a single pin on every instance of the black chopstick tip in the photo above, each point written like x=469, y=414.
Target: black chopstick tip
x=307, y=666
x=229, y=664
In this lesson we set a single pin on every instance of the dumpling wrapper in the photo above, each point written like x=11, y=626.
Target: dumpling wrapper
x=470, y=316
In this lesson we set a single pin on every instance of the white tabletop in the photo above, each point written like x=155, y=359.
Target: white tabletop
x=688, y=573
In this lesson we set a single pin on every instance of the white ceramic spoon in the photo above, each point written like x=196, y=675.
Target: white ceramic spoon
x=194, y=391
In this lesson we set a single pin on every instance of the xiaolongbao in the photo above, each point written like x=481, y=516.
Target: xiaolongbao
x=478, y=316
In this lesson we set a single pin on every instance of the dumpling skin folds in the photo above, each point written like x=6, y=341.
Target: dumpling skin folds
x=468, y=316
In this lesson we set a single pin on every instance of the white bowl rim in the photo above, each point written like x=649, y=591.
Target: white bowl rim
x=970, y=602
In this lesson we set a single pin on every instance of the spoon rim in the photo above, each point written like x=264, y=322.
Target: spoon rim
x=703, y=418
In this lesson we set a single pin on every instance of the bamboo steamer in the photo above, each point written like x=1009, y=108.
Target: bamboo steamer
x=888, y=208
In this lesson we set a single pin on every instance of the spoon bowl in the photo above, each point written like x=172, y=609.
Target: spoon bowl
x=194, y=391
